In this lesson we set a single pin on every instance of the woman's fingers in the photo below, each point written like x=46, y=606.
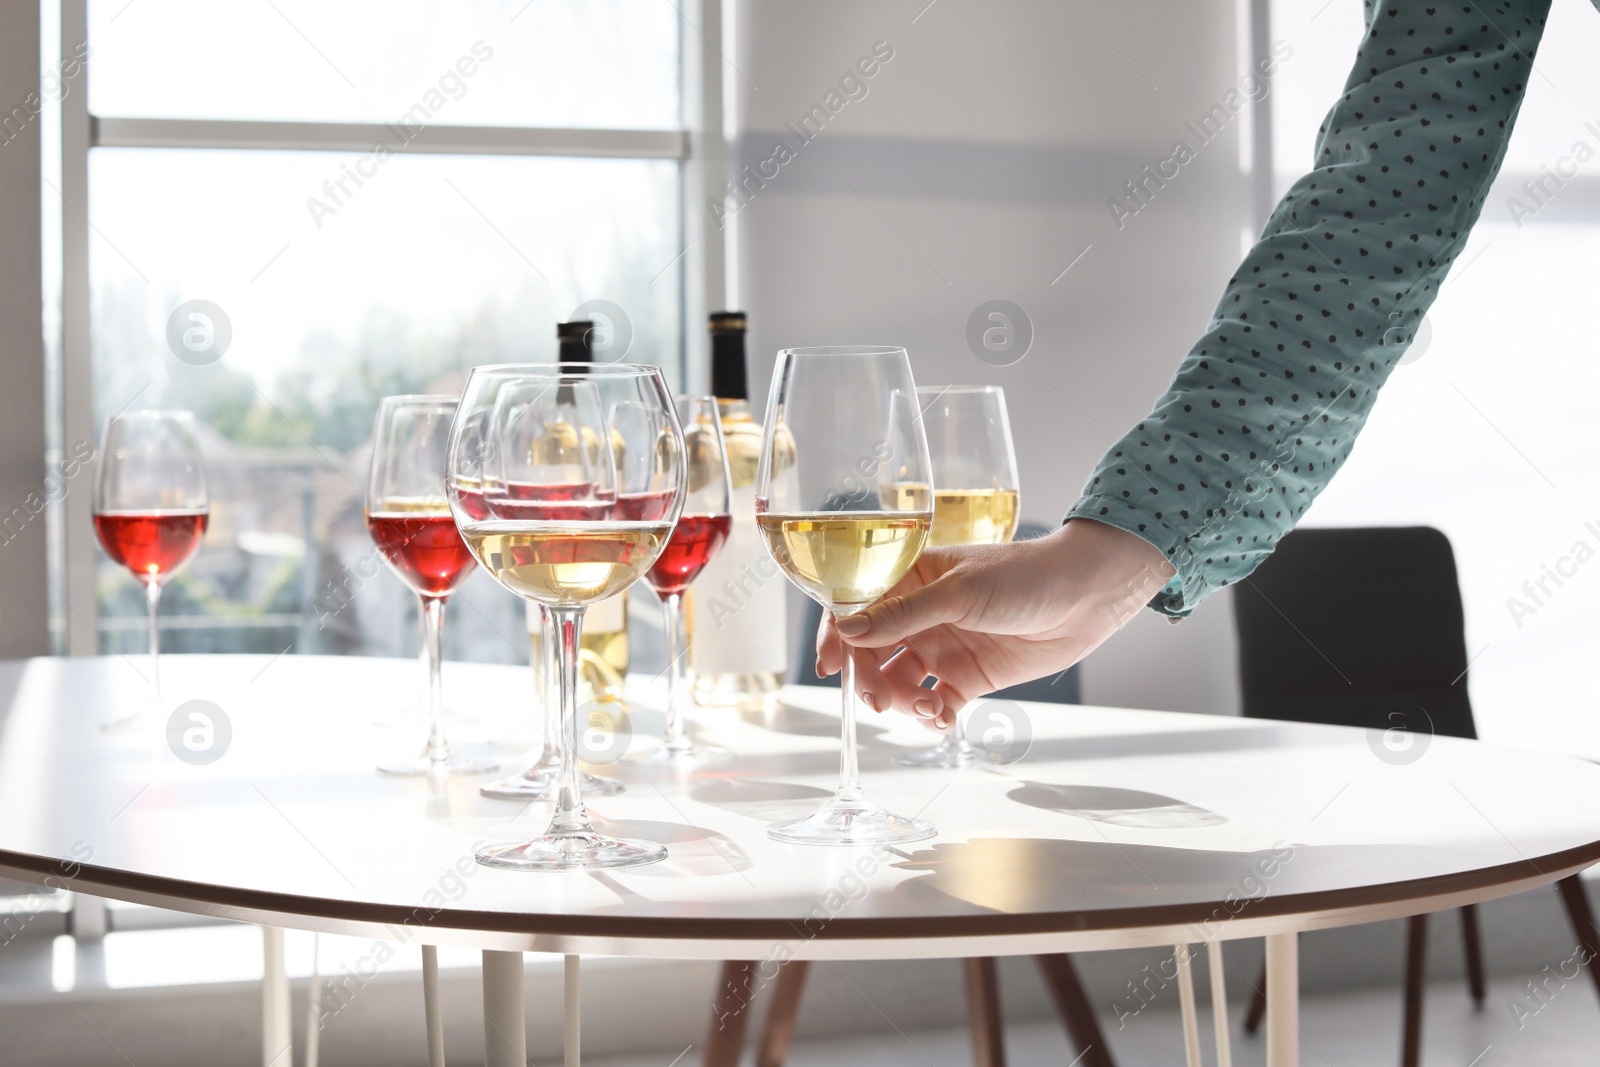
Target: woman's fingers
x=896, y=683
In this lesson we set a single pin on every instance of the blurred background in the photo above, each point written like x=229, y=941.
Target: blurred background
x=224, y=152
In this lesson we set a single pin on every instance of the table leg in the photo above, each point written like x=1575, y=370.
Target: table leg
x=314, y=1007
x=1219, y=1004
x=1283, y=1000
x=277, y=1044
x=1191, y=1023
x=573, y=1028
x=505, y=1035
x=431, y=1009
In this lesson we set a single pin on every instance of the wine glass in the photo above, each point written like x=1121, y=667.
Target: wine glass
x=410, y=522
x=554, y=529
x=699, y=535
x=550, y=452
x=151, y=510
x=975, y=499
x=844, y=501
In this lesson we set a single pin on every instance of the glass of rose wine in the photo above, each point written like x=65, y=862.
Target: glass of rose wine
x=975, y=498
x=151, y=510
x=547, y=457
x=556, y=530
x=701, y=531
x=410, y=522
x=844, y=500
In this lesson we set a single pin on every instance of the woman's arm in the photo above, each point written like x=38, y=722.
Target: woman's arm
x=1265, y=407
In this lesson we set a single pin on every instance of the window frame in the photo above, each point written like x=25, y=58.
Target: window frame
x=698, y=145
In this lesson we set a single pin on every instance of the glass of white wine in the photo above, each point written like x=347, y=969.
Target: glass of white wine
x=975, y=498
x=844, y=500
x=537, y=501
x=544, y=453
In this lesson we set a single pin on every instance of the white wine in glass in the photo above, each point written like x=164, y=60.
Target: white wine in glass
x=975, y=499
x=536, y=496
x=844, y=500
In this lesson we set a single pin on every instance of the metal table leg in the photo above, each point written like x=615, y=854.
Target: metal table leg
x=431, y=1009
x=277, y=1045
x=1191, y=1021
x=1283, y=1000
x=572, y=1029
x=314, y=1006
x=505, y=1036
x=1219, y=1004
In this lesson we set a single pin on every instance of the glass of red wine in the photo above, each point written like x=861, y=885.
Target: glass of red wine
x=568, y=542
x=699, y=535
x=151, y=510
x=547, y=467
x=410, y=522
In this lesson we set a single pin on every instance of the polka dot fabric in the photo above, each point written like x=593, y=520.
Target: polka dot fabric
x=1264, y=409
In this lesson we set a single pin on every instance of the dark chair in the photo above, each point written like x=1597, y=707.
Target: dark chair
x=726, y=1038
x=1364, y=627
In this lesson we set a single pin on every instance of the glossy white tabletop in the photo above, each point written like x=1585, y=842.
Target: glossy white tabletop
x=1119, y=828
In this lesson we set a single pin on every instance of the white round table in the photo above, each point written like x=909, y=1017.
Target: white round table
x=1118, y=829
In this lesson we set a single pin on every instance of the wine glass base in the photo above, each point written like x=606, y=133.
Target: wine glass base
x=422, y=766
x=539, y=782
x=572, y=850
x=693, y=756
x=851, y=822
x=942, y=755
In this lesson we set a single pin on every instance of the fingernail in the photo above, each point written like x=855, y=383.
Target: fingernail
x=853, y=626
x=925, y=708
x=818, y=669
x=866, y=698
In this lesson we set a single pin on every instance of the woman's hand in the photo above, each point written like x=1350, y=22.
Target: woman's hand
x=983, y=617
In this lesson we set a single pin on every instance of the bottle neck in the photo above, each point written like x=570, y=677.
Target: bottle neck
x=728, y=377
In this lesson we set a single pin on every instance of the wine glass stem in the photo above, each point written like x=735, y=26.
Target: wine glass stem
x=849, y=773
x=152, y=598
x=677, y=735
x=433, y=644
x=569, y=816
x=550, y=691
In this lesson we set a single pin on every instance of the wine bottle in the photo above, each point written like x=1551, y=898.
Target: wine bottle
x=737, y=609
x=603, y=647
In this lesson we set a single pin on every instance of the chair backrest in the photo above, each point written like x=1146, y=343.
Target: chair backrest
x=1356, y=627
x=1062, y=688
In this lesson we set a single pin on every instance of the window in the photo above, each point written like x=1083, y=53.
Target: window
x=1494, y=403
x=377, y=195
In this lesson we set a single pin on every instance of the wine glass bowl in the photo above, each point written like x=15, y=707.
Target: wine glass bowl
x=411, y=525
x=975, y=499
x=844, y=502
x=151, y=510
x=559, y=528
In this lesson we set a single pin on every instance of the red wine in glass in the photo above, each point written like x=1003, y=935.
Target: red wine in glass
x=530, y=502
x=424, y=548
x=694, y=541
x=410, y=522
x=151, y=509
x=644, y=506
x=154, y=544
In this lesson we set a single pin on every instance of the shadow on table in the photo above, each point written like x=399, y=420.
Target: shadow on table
x=691, y=850
x=1119, y=807
x=1014, y=875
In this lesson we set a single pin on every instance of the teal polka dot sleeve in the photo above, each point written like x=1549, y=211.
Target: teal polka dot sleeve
x=1265, y=407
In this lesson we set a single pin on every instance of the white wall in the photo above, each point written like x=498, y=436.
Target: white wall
x=978, y=166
